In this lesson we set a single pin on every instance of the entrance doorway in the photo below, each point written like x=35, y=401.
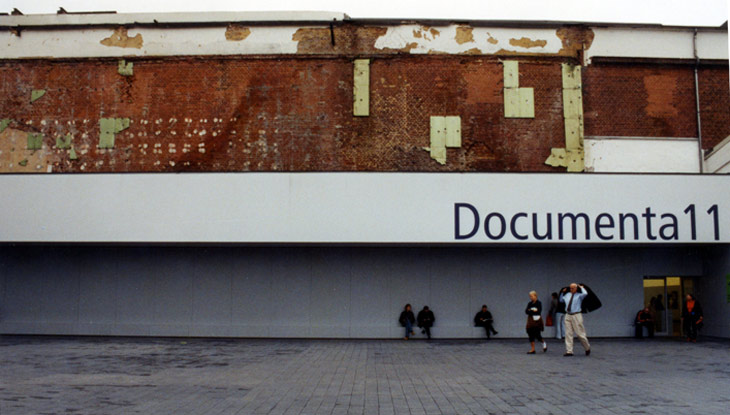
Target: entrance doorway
x=664, y=296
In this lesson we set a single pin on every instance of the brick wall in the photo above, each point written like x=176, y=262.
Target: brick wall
x=651, y=100
x=295, y=113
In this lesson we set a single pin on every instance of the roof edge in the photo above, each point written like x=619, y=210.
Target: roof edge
x=286, y=17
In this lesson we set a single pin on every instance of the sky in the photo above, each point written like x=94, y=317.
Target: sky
x=667, y=12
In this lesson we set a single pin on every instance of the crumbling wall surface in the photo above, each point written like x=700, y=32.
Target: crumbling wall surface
x=295, y=113
x=278, y=114
x=655, y=100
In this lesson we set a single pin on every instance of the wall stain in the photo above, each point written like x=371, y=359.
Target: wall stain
x=660, y=95
x=575, y=40
x=236, y=32
x=527, y=43
x=121, y=39
x=464, y=34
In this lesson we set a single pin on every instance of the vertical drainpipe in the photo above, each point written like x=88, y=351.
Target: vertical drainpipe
x=697, y=101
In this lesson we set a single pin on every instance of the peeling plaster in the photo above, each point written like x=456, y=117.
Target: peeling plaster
x=445, y=132
x=528, y=43
x=34, y=141
x=121, y=39
x=454, y=39
x=36, y=94
x=16, y=158
x=464, y=34
x=575, y=39
x=573, y=155
x=125, y=68
x=108, y=127
x=64, y=142
x=236, y=32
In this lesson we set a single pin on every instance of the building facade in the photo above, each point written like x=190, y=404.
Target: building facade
x=306, y=175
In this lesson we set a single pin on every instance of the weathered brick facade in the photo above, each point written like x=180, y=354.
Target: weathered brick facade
x=294, y=113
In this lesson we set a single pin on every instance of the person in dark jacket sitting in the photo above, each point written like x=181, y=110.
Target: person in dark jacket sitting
x=643, y=319
x=425, y=321
x=406, y=320
x=484, y=319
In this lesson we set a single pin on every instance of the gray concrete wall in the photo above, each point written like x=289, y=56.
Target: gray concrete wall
x=313, y=291
x=712, y=292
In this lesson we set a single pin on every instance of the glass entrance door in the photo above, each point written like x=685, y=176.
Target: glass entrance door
x=655, y=291
x=664, y=296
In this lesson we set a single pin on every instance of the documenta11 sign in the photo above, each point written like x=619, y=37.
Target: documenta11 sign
x=366, y=208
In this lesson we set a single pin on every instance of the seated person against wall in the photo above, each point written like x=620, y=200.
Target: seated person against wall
x=644, y=319
x=484, y=319
x=425, y=321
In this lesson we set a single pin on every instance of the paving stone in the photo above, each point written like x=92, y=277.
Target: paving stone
x=274, y=377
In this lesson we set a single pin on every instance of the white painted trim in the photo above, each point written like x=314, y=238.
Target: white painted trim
x=41, y=20
x=657, y=43
x=640, y=155
x=719, y=160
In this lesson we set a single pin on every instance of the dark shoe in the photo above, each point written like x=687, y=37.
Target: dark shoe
x=423, y=331
x=532, y=352
x=568, y=355
x=544, y=349
x=413, y=333
x=588, y=352
x=495, y=333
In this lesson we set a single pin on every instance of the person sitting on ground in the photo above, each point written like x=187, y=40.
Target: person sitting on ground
x=484, y=319
x=425, y=321
x=406, y=320
x=644, y=319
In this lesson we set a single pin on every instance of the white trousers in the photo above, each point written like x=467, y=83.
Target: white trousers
x=574, y=326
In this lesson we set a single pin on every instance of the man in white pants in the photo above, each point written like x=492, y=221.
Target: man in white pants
x=574, y=318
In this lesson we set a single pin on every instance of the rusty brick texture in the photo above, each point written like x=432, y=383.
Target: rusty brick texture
x=650, y=100
x=294, y=113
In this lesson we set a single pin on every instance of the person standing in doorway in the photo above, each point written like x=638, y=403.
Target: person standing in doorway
x=534, y=322
x=692, y=317
x=574, y=318
x=484, y=319
x=406, y=320
x=425, y=321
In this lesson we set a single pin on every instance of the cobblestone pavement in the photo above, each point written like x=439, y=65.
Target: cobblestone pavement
x=49, y=375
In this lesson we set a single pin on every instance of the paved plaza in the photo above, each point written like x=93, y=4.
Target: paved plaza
x=50, y=375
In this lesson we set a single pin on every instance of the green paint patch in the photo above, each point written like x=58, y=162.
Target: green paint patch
x=4, y=124
x=72, y=154
x=125, y=68
x=64, y=142
x=108, y=128
x=36, y=94
x=23, y=163
x=35, y=141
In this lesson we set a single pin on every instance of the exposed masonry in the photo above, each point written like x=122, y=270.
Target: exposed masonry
x=308, y=111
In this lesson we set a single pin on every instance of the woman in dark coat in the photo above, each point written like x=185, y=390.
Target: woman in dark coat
x=406, y=320
x=425, y=321
x=691, y=317
x=534, y=322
